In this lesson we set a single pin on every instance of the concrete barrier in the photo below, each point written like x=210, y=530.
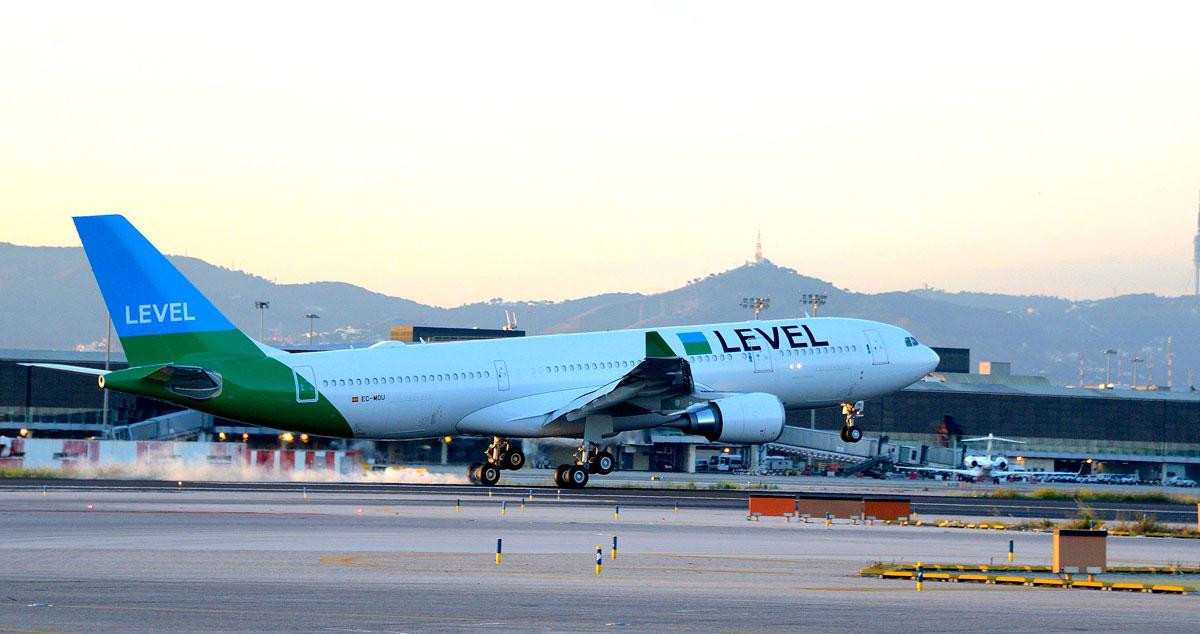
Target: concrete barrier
x=68, y=454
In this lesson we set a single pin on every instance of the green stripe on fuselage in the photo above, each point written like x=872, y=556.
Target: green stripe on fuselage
x=256, y=389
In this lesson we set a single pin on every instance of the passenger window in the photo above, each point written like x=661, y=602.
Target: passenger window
x=486, y=374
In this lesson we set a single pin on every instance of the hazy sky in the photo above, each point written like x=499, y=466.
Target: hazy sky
x=451, y=152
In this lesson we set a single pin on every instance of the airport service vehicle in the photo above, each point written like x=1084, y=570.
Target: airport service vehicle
x=730, y=383
x=1178, y=481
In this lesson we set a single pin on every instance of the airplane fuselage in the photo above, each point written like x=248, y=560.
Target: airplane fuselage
x=393, y=390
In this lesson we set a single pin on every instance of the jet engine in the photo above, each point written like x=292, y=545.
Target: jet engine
x=1001, y=464
x=743, y=419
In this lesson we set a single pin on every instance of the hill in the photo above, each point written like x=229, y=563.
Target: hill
x=48, y=300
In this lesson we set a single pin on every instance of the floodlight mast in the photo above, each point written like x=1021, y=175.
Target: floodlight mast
x=758, y=304
x=262, y=307
x=814, y=300
x=311, y=317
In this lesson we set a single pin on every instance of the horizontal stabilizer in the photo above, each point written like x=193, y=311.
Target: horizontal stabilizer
x=74, y=369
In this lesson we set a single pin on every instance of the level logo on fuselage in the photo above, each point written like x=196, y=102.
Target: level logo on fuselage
x=749, y=339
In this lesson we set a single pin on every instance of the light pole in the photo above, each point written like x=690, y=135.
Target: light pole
x=311, y=317
x=1108, y=355
x=816, y=300
x=262, y=310
x=1134, y=361
x=759, y=304
x=107, y=358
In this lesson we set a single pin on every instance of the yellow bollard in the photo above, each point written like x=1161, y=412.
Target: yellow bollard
x=503, y=508
x=457, y=505
x=617, y=513
x=677, y=506
x=599, y=559
x=306, y=493
x=1010, y=551
x=498, y=551
x=614, y=549
x=920, y=576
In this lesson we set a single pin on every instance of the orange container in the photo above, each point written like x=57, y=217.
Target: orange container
x=771, y=505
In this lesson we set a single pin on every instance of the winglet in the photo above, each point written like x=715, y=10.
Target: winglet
x=656, y=346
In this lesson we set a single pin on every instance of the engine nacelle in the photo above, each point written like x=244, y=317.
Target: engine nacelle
x=744, y=419
x=1001, y=465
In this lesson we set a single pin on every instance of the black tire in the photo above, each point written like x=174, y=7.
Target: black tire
x=560, y=476
x=576, y=476
x=489, y=474
x=853, y=434
x=512, y=460
x=602, y=463
x=473, y=472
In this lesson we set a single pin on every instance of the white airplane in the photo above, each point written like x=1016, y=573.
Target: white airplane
x=985, y=465
x=727, y=382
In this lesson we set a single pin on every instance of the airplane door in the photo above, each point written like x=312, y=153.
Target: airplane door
x=879, y=354
x=501, y=375
x=306, y=384
x=762, y=360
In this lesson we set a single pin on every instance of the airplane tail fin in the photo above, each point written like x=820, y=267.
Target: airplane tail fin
x=158, y=314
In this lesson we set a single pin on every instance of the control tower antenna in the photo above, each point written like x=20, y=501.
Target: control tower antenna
x=758, y=258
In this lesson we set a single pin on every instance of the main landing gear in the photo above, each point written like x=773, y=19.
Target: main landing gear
x=851, y=432
x=589, y=459
x=501, y=454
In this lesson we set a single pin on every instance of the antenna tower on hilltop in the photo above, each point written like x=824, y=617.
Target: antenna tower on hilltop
x=1196, y=254
x=758, y=258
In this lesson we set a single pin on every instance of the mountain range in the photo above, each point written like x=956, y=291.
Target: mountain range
x=48, y=300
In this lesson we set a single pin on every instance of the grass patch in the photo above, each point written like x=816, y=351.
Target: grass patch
x=1089, y=495
x=29, y=472
x=724, y=485
x=1036, y=525
x=1085, y=518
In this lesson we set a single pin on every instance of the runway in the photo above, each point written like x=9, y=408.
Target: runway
x=267, y=559
x=931, y=505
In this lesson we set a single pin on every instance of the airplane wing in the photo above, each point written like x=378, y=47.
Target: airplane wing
x=661, y=384
x=964, y=472
x=653, y=377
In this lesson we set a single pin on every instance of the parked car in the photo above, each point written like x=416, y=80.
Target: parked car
x=1178, y=481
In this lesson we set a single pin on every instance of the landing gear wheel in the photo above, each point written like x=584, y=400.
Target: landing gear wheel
x=602, y=463
x=560, y=476
x=851, y=434
x=512, y=460
x=473, y=472
x=576, y=476
x=489, y=474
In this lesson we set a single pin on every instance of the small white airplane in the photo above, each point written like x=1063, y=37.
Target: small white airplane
x=975, y=466
x=730, y=382
x=988, y=464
